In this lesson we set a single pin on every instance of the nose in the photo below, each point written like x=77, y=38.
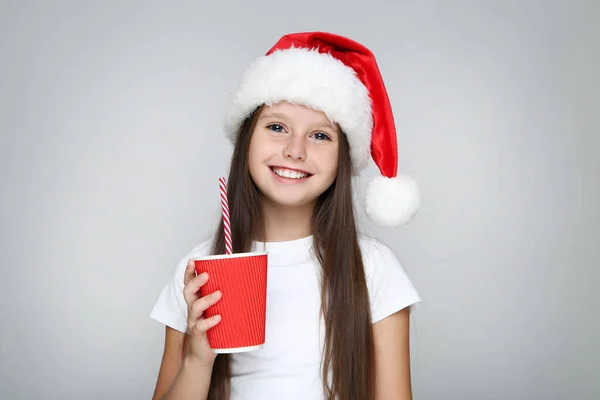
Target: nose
x=295, y=148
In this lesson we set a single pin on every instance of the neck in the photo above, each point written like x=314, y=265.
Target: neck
x=286, y=223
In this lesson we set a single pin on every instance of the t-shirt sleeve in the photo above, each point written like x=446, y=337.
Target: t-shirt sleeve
x=390, y=289
x=170, y=308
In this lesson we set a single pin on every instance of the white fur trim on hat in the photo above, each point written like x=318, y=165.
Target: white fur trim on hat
x=315, y=80
x=392, y=201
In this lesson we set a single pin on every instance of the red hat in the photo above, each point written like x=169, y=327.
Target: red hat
x=340, y=77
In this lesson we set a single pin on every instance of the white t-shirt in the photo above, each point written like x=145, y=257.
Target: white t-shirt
x=288, y=366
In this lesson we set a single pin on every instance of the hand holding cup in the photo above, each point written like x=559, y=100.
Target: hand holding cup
x=198, y=325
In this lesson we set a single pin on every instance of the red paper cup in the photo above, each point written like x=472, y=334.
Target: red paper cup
x=242, y=280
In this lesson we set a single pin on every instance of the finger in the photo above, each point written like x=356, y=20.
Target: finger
x=191, y=290
x=190, y=272
x=205, y=324
x=200, y=305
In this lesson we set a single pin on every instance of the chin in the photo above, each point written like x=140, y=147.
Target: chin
x=291, y=202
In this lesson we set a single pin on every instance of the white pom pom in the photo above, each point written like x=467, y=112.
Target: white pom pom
x=392, y=201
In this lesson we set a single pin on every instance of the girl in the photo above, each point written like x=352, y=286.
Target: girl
x=304, y=120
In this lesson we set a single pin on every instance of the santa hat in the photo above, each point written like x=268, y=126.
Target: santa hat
x=340, y=77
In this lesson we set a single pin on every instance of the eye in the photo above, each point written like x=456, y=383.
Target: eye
x=321, y=136
x=276, y=128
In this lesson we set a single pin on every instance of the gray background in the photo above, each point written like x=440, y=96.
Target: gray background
x=111, y=144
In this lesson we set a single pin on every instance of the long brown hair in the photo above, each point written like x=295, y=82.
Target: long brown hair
x=348, y=354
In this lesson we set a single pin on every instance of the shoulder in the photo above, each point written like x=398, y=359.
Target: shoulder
x=390, y=288
x=379, y=260
x=374, y=251
x=171, y=308
x=200, y=250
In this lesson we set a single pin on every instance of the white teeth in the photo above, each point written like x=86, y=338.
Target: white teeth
x=286, y=173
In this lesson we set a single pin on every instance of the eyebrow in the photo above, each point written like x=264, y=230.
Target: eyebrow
x=273, y=114
x=327, y=124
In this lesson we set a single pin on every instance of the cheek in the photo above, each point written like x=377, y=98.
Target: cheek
x=334, y=166
x=256, y=147
x=260, y=146
x=259, y=152
x=334, y=158
x=252, y=158
x=330, y=163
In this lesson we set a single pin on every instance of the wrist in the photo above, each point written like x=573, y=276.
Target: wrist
x=193, y=362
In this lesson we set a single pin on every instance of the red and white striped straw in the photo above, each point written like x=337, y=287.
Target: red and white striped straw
x=226, y=222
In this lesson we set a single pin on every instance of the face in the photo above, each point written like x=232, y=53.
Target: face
x=293, y=154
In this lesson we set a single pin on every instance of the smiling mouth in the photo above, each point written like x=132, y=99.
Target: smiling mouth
x=290, y=173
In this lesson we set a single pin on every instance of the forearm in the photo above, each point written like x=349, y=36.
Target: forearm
x=192, y=382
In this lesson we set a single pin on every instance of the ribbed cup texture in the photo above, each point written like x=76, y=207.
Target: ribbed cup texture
x=243, y=283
